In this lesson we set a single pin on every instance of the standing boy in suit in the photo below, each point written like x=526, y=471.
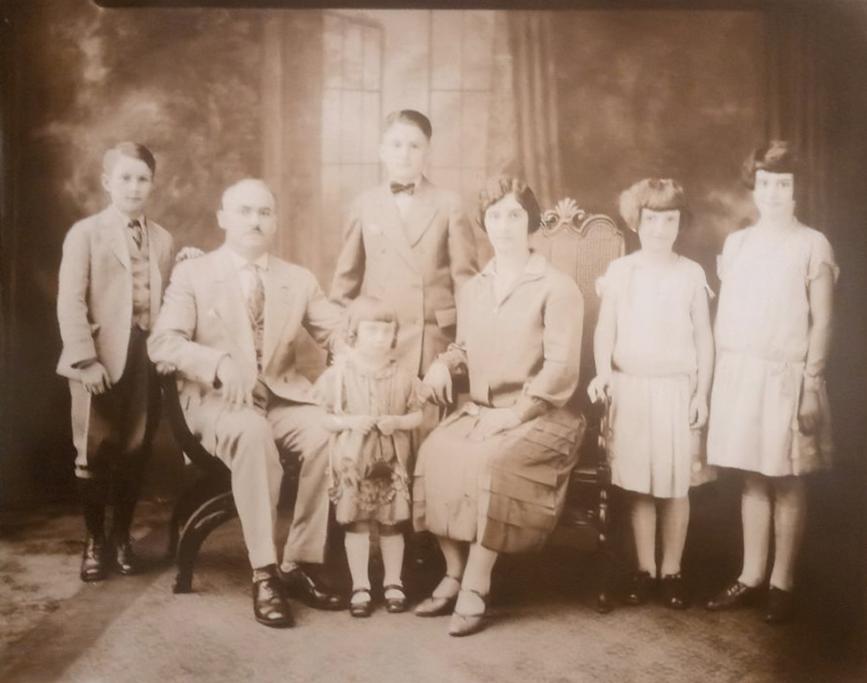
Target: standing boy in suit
x=111, y=281
x=408, y=243
x=230, y=324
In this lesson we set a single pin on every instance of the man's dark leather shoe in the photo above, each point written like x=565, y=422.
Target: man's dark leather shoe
x=269, y=607
x=301, y=586
x=734, y=595
x=93, y=564
x=125, y=560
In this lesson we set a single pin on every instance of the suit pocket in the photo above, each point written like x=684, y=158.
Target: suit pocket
x=446, y=317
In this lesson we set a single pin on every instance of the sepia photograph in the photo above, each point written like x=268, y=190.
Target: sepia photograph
x=433, y=341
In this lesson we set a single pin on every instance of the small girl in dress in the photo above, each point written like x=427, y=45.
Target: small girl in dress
x=653, y=347
x=769, y=414
x=372, y=406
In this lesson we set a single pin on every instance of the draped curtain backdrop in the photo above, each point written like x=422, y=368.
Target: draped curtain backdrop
x=523, y=131
x=797, y=103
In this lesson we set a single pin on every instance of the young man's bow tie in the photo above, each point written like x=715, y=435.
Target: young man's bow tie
x=397, y=188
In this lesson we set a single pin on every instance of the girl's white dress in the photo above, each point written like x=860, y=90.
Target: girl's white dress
x=651, y=447
x=762, y=331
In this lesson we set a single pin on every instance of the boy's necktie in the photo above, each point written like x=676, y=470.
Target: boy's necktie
x=397, y=188
x=135, y=227
x=256, y=311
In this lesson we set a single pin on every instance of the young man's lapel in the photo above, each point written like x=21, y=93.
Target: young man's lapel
x=113, y=223
x=388, y=217
x=421, y=212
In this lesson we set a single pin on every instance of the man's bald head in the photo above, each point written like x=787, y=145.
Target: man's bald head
x=244, y=185
x=247, y=214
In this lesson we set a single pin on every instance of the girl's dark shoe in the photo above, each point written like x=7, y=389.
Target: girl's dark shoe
x=780, y=606
x=360, y=608
x=734, y=595
x=673, y=591
x=639, y=589
x=394, y=604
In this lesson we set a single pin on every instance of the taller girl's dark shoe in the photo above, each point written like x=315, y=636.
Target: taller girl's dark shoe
x=639, y=589
x=734, y=595
x=673, y=592
x=780, y=606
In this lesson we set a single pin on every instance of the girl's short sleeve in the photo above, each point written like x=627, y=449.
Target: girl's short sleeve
x=417, y=392
x=821, y=254
x=698, y=280
x=609, y=283
x=325, y=389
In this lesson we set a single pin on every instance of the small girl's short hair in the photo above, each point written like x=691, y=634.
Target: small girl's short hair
x=778, y=156
x=128, y=149
x=656, y=194
x=369, y=308
x=413, y=118
x=498, y=187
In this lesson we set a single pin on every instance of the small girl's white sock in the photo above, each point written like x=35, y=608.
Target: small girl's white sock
x=392, y=547
x=358, y=555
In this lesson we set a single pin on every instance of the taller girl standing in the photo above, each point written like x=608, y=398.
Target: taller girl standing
x=654, y=356
x=769, y=406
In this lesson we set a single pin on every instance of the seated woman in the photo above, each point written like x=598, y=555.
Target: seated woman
x=493, y=475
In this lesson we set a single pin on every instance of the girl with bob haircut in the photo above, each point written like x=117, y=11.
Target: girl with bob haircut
x=769, y=408
x=373, y=406
x=491, y=478
x=653, y=347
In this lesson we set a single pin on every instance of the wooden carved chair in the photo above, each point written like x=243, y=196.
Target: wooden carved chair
x=582, y=245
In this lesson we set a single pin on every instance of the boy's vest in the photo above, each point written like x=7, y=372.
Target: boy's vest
x=141, y=287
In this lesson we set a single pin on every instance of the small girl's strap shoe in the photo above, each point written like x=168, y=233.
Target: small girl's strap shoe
x=436, y=606
x=394, y=604
x=467, y=624
x=360, y=608
x=640, y=587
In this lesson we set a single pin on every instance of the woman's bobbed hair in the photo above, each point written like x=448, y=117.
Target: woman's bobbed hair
x=498, y=187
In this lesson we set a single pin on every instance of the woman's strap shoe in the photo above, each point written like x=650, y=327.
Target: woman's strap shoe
x=361, y=608
x=436, y=606
x=466, y=624
x=734, y=595
x=394, y=605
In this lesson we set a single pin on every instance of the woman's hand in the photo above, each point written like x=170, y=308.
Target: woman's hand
x=697, y=411
x=600, y=387
x=95, y=378
x=439, y=380
x=808, y=412
x=388, y=424
x=495, y=420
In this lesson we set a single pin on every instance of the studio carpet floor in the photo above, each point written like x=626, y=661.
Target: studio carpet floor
x=542, y=629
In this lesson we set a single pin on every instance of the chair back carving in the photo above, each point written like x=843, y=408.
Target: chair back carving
x=582, y=245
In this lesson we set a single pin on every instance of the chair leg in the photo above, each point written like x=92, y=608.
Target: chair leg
x=194, y=495
x=201, y=523
x=605, y=558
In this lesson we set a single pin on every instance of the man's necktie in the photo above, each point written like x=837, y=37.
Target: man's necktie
x=256, y=311
x=136, y=230
x=397, y=188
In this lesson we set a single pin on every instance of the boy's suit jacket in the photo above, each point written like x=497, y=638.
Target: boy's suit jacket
x=94, y=299
x=204, y=317
x=415, y=264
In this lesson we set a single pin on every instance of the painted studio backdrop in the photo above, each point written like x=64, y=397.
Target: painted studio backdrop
x=582, y=103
